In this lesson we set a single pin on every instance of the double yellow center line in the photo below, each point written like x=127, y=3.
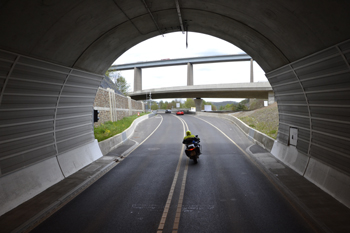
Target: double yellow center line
x=172, y=189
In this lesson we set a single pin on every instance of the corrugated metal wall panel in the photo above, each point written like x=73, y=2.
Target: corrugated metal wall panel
x=334, y=143
x=336, y=81
x=66, y=123
x=26, y=130
x=45, y=109
x=26, y=87
x=73, y=132
x=303, y=146
x=283, y=79
x=295, y=121
x=327, y=53
x=38, y=75
x=293, y=110
x=290, y=89
x=297, y=99
x=63, y=113
x=70, y=90
x=71, y=143
x=27, y=158
x=321, y=105
x=16, y=147
x=338, y=161
x=304, y=134
x=20, y=117
x=321, y=68
x=331, y=128
x=331, y=113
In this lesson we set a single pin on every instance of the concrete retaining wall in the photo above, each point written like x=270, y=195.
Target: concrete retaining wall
x=330, y=180
x=111, y=143
x=113, y=107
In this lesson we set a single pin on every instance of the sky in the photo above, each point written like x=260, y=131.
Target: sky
x=172, y=46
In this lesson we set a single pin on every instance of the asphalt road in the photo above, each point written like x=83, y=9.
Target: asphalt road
x=156, y=183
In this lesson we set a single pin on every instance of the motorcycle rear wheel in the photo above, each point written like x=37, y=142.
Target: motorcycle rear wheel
x=195, y=160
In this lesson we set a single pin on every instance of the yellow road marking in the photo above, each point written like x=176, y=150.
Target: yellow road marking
x=172, y=189
x=179, y=204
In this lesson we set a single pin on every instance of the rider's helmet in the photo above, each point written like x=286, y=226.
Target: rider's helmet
x=188, y=133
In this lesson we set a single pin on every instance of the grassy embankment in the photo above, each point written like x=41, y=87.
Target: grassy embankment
x=263, y=119
x=109, y=128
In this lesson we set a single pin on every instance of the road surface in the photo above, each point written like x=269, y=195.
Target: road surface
x=156, y=188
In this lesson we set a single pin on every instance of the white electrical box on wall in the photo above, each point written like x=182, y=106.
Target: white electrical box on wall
x=293, y=136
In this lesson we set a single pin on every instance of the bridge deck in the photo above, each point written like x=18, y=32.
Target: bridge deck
x=257, y=90
x=181, y=61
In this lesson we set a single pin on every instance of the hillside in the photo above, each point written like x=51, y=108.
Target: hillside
x=223, y=103
x=263, y=119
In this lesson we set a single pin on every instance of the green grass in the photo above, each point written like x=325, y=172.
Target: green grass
x=268, y=128
x=109, y=128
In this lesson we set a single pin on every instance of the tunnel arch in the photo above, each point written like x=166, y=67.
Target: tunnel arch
x=53, y=53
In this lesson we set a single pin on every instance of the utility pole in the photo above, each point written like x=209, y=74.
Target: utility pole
x=150, y=101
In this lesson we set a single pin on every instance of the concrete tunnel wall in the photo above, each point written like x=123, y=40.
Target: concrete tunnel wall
x=53, y=54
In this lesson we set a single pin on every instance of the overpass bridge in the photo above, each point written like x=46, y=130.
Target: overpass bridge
x=138, y=66
x=258, y=90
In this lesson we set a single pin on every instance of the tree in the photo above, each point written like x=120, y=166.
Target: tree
x=165, y=105
x=241, y=107
x=161, y=104
x=189, y=103
x=154, y=105
x=119, y=81
x=122, y=85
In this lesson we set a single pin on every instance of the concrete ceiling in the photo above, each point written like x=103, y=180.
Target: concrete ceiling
x=91, y=35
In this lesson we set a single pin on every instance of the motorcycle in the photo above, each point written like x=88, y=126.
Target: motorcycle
x=193, y=148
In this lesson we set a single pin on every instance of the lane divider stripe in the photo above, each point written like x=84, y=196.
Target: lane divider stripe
x=172, y=189
x=179, y=204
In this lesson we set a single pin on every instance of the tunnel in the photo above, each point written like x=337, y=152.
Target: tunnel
x=53, y=55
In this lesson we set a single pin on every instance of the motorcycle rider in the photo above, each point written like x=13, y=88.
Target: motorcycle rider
x=188, y=135
x=189, y=138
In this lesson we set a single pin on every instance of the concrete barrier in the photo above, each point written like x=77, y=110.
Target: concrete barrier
x=26, y=183
x=110, y=144
x=74, y=160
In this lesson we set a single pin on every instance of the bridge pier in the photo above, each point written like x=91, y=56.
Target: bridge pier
x=137, y=79
x=189, y=74
x=271, y=98
x=198, y=102
x=251, y=71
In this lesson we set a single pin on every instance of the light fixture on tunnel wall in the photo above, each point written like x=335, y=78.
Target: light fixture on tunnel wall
x=96, y=117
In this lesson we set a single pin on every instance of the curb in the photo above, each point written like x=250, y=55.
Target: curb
x=112, y=143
